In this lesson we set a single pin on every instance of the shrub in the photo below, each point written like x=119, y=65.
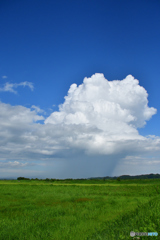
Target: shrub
x=23, y=178
x=47, y=179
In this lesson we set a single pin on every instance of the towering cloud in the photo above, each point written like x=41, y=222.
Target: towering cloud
x=114, y=108
x=95, y=127
x=99, y=103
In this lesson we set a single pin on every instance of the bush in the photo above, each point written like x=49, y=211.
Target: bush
x=47, y=179
x=23, y=178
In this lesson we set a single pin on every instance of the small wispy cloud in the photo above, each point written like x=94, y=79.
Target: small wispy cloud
x=37, y=109
x=24, y=84
x=4, y=77
x=9, y=87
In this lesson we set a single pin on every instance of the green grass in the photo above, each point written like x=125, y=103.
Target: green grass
x=78, y=210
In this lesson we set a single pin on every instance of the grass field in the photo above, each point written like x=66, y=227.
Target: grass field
x=78, y=209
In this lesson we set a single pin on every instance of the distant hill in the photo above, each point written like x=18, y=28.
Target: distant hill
x=145, y=176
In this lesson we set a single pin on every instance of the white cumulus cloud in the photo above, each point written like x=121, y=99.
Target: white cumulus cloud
x=116, y=108
x=95, y=128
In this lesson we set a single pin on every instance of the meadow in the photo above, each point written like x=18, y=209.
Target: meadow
x=78, y=209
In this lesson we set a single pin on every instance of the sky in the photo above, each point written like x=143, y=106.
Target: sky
x=79, y=88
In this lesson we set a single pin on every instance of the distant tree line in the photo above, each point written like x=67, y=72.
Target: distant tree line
x=123, y=177
x=23, y=178
x=144, y=176
x=48, y=179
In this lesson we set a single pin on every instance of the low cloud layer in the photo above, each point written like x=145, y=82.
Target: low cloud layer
x=94, y=130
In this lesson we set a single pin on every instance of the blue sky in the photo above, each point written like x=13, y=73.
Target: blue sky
x=45, y=47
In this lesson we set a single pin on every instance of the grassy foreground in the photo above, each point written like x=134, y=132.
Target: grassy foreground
x=78, y=210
